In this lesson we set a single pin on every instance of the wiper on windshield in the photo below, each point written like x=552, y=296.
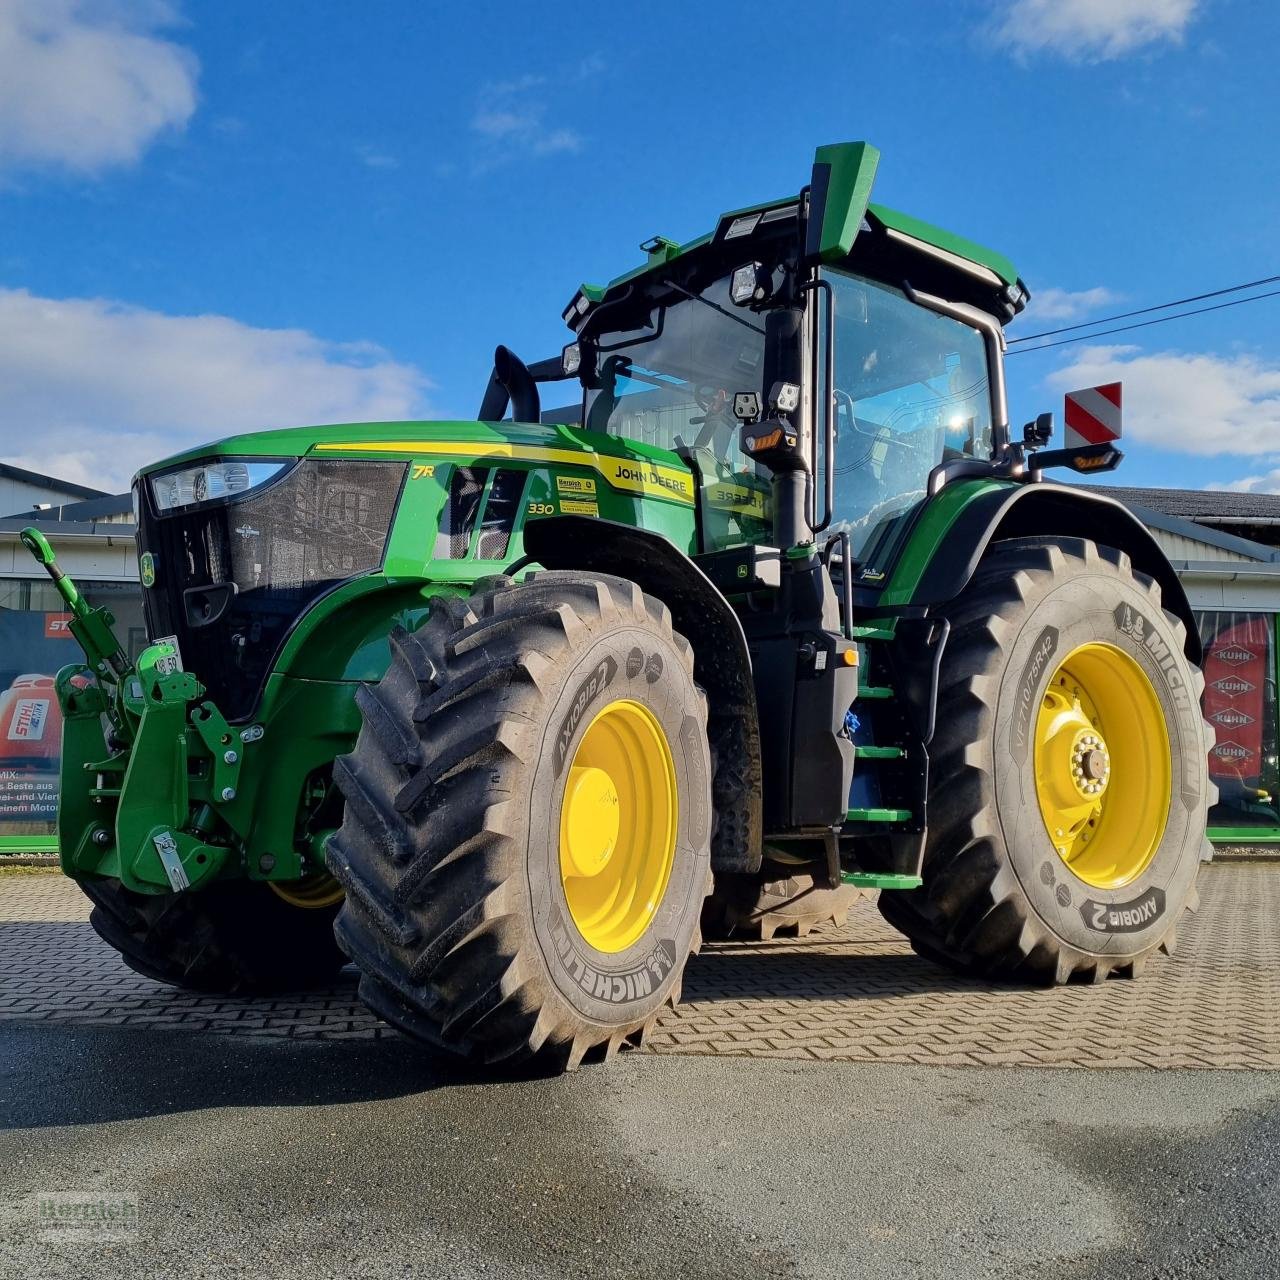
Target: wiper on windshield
x=715, y=306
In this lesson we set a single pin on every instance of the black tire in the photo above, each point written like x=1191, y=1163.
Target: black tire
x=456, y=914
x=997, y=898
x=234, y=938
x=742, y=906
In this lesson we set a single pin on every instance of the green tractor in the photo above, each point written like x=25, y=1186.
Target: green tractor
x=507, y=711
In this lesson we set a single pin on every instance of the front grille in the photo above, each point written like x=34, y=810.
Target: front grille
x=466, y=509
x=233, y=577
x=500, y=514
x=458, y=519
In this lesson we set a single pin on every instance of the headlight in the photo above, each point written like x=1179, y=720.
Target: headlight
x=207, y=481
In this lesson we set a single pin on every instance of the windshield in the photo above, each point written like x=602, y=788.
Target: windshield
x=671, y=384
x=911, y=392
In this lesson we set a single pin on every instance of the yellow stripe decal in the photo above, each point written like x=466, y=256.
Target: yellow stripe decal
x=630, y=475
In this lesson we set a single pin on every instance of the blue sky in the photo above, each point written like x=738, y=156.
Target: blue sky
x=224, y=215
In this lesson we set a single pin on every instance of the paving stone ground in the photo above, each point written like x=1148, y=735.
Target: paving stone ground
x=856, y=993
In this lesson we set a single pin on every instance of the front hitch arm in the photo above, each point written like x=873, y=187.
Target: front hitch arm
x=91, y=627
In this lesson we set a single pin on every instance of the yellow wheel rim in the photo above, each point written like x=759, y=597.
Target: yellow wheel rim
x=310, y=893
x=618, y=825
x=1104, y=771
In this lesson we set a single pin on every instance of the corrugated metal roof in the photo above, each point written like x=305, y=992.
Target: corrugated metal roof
x=117, y=504
x=1201, y=504
x=11, y=472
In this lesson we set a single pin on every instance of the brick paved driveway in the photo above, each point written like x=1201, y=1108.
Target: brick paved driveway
x=857, y=994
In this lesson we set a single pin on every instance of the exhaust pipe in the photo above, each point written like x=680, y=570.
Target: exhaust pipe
x=510, y=384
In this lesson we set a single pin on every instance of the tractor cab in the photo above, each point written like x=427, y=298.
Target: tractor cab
x=821, y=364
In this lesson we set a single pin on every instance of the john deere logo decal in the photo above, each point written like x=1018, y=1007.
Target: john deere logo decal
x=147, y=568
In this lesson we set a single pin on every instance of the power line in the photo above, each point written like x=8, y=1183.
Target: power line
x=1143, y=324
x=1142, y=311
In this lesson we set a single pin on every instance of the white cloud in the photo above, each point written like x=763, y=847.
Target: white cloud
x=1091, y=30
x=92, y=388
x=373, y=158
x=86, y=84
x=512, y=120
x=1268, y=482
x=1066, y=304
x=1191, y=403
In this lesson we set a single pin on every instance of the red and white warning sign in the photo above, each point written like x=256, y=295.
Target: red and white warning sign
x=1092, y=416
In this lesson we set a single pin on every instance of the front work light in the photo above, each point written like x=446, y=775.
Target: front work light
x=742, y=287
x=208, y=481
x=784, y=397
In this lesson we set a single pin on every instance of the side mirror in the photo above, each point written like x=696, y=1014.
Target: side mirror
x=1037, y=434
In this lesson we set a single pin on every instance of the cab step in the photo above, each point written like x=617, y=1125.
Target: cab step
x=880, y=880
x=878, y=753
x=878, y=815
x=875, y=693
x=870, y=633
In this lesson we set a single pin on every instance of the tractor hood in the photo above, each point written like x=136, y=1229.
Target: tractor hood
x=239, y=539
x=461, y=441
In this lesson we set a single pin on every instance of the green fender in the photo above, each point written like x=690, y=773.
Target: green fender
x=952, y=531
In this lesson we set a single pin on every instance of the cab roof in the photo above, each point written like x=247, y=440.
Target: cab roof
x=839, y=214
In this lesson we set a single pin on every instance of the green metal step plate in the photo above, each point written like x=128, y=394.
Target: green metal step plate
x=880, y=880
x=878, y=815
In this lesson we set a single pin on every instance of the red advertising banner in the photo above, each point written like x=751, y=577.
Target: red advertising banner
x=1235, y=677
x=57, y=626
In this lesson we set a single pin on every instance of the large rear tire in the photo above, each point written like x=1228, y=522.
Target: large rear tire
x=776, y=900
x=1069, y=781
x=235, y=938
x=526, y=846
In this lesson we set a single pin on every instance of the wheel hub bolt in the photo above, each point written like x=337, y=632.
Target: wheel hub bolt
x=1090, y=764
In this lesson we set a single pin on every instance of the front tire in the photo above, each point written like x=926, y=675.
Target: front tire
x=235, y=937
x=1069, y=783
x=526, y=845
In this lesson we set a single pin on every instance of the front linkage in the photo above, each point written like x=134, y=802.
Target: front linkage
x=149, y=764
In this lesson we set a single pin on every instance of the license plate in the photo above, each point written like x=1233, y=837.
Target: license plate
x=166, y=666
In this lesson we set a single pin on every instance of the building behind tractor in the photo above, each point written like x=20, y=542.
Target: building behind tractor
x=492, y=707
